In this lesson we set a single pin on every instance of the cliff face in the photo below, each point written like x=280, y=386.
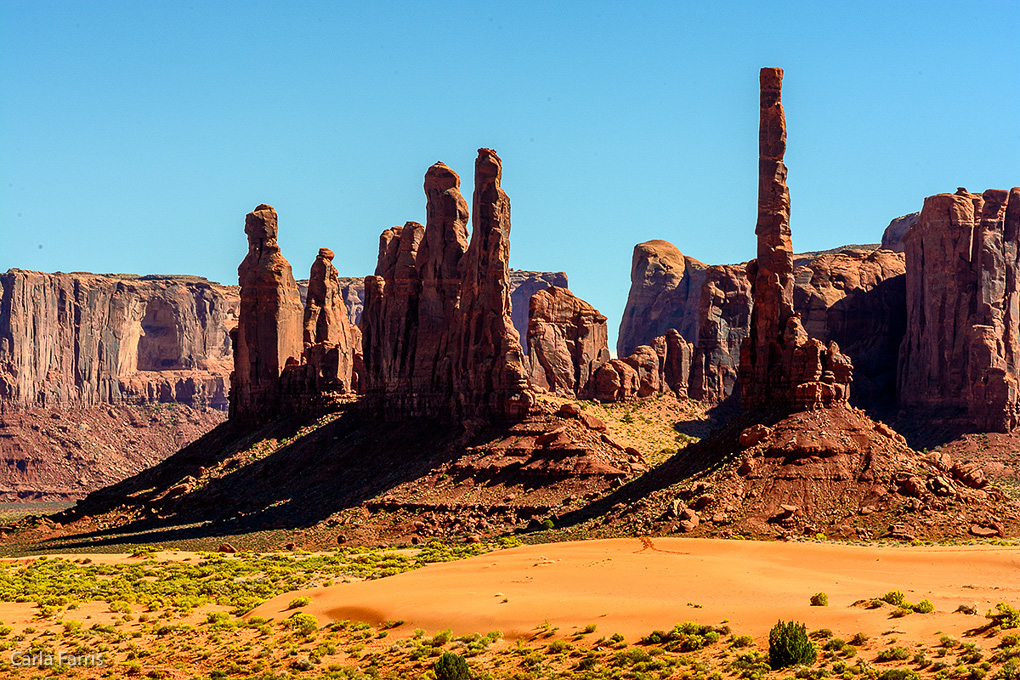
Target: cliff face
x=665, y=290
x=77, y=340
x=724, y=320
x=857, y=299
x=959, y=355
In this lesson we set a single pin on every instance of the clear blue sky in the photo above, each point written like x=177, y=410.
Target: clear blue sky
x=134, y=136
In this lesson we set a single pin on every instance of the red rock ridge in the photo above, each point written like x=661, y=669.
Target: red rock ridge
x=78, y=340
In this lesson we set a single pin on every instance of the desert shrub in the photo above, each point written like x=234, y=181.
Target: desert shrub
x=858, y=639
x=899, y=674
x=742, y=641
x=893, y=654
x=819, y=600
x=924, y=607
x=894, y=597
x=299, y=602
x=451, y=666
x=833, y=645
x=1004, y=616
x=789, y=645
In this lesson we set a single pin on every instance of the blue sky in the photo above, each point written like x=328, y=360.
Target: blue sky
x=134, y=136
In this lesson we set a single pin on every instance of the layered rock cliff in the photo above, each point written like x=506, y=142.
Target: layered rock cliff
x=959, y=356
x=724, y=320
x=78, y=340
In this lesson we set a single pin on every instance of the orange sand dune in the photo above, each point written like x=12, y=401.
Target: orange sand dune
x=633, y=586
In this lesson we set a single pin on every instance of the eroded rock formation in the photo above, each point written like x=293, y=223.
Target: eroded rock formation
x=665, y=287
x=269, y=330
x=664, y=365
x=437, y=331
x=327, y=362
x=568, y=340
x=959, y=356
x=725, y=316
x=780, y=365
x=892, y=237
x=857, y=298
x=78, y=340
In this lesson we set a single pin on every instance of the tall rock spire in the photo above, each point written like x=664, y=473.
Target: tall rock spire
x=780, y=365
x=269, y=326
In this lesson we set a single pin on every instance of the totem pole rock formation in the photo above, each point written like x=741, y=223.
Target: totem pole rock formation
x=664, y=292
x=269, y=330
x=438, y=338
x=568, y=340
x=780, y=365
x=960, y=352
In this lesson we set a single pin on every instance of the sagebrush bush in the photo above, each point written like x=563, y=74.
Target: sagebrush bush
x=789, y=646
x=452, y=666
x=819, y=600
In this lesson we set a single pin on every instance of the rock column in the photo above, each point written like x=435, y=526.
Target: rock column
x=269, y=329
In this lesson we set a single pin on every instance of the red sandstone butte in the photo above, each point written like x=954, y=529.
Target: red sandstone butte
x=960, y=352
x=568, y=340
x=438, y=266
x=269, y=330
x=438, y=337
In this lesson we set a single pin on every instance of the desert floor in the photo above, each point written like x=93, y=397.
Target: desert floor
x=634, y=585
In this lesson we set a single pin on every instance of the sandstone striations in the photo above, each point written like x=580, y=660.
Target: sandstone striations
x=78, y=340
x=664, y=292
x=780, y=365
x=269, y=330
x=568, y=340
x=959, y=356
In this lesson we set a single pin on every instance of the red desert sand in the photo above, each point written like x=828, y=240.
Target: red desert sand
x=635, y=585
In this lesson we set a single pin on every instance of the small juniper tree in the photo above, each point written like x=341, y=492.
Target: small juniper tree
x=452, y=666
x=789, y=646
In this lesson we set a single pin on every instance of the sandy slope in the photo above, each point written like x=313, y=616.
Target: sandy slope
x=633, y=586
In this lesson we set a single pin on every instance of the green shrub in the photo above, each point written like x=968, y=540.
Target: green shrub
x=893, y=654
x=1004, y=616
x=299, y=602
x=789, y=645
x=451, y=666
x=924, y=607
x=819, y=600
x=894, y=597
